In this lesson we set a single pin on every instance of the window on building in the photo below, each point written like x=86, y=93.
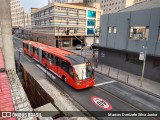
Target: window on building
x=133, y=58
x=90, y=22
x=44, y=12
x=139, y=33
x=114, y=29
x=156, y=62
x=109, y=29
x=66, y=43
x=90, y=31
x=91, y=14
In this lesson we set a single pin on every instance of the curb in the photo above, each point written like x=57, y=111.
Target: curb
x=148, y=92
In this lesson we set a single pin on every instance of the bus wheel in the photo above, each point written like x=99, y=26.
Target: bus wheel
x=46, y=67
x=64, y=79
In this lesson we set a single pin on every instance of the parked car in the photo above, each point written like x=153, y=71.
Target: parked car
x=94, y=46
x=79, y=47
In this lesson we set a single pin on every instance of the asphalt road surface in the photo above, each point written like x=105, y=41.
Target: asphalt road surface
x=107, y=95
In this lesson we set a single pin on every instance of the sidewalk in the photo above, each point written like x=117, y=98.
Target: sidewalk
x=148, y=86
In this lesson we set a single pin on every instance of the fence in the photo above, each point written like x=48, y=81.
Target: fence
x=118, y=74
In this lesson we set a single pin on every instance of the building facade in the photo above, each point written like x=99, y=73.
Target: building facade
x=127, y=33
x=68, y=1
x=93, y=3
x=65, y=25
x=110, y=6
x=20, y=17
x=139, y=1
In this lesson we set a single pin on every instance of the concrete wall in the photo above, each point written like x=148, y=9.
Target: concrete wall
x=122, y=21
x=118, y=60
x=119, y=41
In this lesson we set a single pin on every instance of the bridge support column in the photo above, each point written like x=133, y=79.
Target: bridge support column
x=6, y=33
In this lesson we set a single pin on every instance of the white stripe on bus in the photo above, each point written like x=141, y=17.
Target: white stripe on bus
x=44, y=70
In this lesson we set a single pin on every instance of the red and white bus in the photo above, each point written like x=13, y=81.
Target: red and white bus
x=74, y=69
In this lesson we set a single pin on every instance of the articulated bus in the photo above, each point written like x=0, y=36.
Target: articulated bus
x=74, y=69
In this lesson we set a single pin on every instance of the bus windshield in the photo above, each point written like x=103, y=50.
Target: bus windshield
x=83, y=71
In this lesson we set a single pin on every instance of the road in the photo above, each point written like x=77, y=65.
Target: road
x=118, y=96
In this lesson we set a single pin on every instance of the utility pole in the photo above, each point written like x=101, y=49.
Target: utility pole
x=24, y=19
x=6, y=31
x=144, y=63
x=94, y=31
x=58, y=39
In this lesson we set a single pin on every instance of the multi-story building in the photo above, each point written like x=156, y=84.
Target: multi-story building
x=129, y=32
x=65, y=24
x=93, y=3
x=110, y=6
x=20, y=17
x=68, y=1
x=138, y=1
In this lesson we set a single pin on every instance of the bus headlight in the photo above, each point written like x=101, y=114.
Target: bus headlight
x=78, y=83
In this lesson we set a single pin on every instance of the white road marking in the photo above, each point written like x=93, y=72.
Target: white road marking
x=44, y=70
x=104, y=83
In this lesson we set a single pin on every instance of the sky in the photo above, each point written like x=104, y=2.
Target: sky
x=28, y=4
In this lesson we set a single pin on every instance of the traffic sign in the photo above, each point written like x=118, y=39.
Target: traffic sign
x=100, y=102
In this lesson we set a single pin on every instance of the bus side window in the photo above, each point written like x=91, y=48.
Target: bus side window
x=27, y=46
x=56, y=61
x=53, y=59
x=49, y=58
x=34, y=49
x=46, y=56
x=65, y=65
x=23, y=45
x=43, y=54
x=37, y=51
x=71, y=71
x=31, y=48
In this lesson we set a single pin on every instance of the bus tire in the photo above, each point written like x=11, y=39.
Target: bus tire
x=64, y=79
x=46, y=66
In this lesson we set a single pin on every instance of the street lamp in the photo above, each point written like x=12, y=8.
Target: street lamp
x=144, y=62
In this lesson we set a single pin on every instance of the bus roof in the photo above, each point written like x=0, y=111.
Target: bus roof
x=77, y=59
x=71, y=56
x=57, y=51
x=35, y=44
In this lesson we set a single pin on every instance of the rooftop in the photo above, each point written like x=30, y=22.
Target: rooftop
x=81, y=4
x=143, y=5
x=68, y=5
